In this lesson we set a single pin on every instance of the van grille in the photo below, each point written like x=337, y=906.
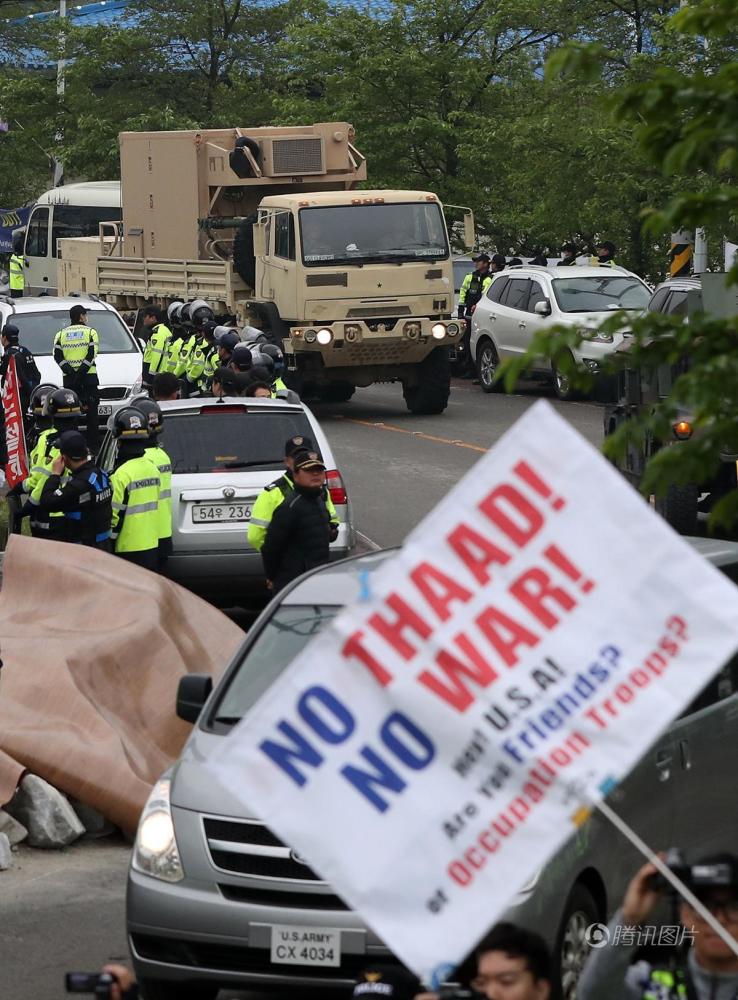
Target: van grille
x=293, y=157
x=249, y=848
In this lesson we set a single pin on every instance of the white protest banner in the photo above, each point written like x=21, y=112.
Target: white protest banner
x=435, y=745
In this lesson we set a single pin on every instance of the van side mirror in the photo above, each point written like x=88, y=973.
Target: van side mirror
x=192, y=693
x=260, y=247
x=542, y=308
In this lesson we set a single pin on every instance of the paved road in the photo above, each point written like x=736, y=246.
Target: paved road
x=398, y=466
x=65, y=911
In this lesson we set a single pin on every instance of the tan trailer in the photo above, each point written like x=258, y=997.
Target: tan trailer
x=268, y=226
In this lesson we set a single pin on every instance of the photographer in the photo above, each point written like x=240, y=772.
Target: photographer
x=115, y=982
x=706, y=971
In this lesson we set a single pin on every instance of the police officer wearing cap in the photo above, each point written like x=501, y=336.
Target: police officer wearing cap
x=569, y=253
x=157, y=346
x=75, y=351
x=604, y=254
x=277, y=492
x=84, y=497
x=301, y=530
x=136, y=486
x=473, y=287
x=25, y=364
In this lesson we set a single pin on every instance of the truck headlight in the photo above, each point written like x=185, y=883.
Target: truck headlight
x=438, y=330
x=324, y=337
x=155, y=852
x=682, y=430
x=452, y=329
x=311, y=336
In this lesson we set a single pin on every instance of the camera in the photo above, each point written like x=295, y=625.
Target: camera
x=96, y=983
x=697, y=877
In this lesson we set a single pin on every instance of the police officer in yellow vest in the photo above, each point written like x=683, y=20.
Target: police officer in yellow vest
x=698, y=966
x=278, y=491
x=473, y=287
x=604, y=254
x=157, y=345
x=155, y=452
x=136, y=486
x=75, y=351
x=62, y=409
x=15, y=267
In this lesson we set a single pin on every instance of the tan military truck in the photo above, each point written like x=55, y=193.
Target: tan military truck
x=268, y=225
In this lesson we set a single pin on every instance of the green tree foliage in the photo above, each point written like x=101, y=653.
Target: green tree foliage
x=683, y=119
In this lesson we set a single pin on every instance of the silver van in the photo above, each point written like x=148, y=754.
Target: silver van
x=210, y=888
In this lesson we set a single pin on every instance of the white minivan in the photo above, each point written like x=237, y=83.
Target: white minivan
x=67, y=211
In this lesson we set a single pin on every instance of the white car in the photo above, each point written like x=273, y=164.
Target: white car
x=39, y=318
x=223, y=455
x=525, y=299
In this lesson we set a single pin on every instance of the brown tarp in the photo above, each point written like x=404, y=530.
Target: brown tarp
x=92, y=650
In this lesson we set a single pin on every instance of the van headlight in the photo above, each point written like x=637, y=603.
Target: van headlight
x=155, y=852
x=136, y=387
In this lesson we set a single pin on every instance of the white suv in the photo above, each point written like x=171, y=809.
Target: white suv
x=525, y=299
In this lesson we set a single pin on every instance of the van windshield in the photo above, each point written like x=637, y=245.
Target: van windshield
x=279, y=642
x=230, y=437
x=37, y=330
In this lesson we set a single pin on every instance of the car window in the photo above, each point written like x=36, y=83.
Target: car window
x=37, y=239
x=657, y=302
x=497, y=289
x=276, y=646
x=37, y=330
x=79, y=220
x=226, y=437
x=722, y=686
x=601, y=293
x=284, y=236
x=537, y=294
x=677, y=305
x=516, y=294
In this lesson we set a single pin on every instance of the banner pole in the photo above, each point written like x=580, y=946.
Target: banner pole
x=668, y=874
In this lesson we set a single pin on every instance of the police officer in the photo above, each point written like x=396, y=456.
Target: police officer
x=37, y=423
x=63, y=410
x=16, y=264
x=277, y=358
x=84, y=497
x=171, y=358
x=604, y=254
x=708, y=970
x=226, y=344
x=163, y=462
x=569, y=253
x=136, y=485
x=241, y=359
x=301, y=530
x=25, y=364
x=157, y=346
x=473, y=287
x=75, y=351
x=273, y=495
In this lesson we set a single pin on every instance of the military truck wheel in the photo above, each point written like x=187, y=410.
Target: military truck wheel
x=243, y=251
x=336, y=392
x=431, y=393
x=679, y=507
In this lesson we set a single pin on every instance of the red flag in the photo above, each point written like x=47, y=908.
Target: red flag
x=17, y=468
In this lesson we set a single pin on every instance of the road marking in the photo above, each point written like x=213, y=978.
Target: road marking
x=368, y=542
x=380, y=425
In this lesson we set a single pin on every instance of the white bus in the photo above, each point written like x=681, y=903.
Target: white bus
x=71, y=210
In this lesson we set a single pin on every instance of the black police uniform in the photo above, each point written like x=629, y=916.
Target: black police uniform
x=298, y=538
x=85, y=498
